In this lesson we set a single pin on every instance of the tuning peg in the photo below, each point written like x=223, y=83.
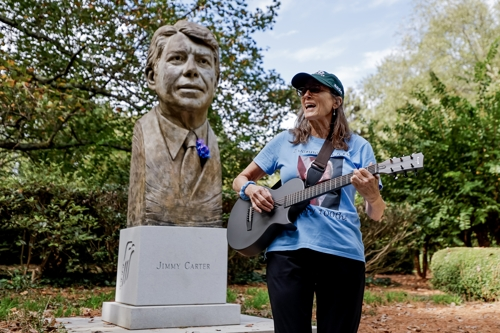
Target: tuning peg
x=391, y=160
x=401, y=158
x=411, y=156
x=415, y=172
x=406, y=174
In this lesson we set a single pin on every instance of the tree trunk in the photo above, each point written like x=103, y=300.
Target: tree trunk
x=493, y=222
x=22, y=249
x=482, y=235
x=424, y=260
x=421, y=269
x=416, y=263
x=465, y=236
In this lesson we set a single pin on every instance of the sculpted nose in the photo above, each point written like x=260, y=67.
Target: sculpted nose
x=190, y=69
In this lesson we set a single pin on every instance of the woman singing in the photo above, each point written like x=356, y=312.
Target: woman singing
x=325, y=255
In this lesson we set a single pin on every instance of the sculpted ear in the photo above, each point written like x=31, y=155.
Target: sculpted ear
x=150, y=77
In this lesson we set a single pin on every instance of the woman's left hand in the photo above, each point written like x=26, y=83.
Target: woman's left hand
x=366, y=184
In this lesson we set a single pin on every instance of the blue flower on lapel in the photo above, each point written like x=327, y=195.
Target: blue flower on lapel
x=202, y=149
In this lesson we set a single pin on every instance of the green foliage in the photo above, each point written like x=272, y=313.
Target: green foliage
x=376, y=298
x=457, y=192
x=259, y=299
x=95, y=301
x=447, y=37
x=370, y=280
x=72, y=78
x=473, y=273
x=7, y=303
x=371, y=298
x=254, y=300
x=396, y=296
x=242, y=270
x=63, y=223
x=43, y=302
x=446, y=299
x=18, y=281
x=231, y=296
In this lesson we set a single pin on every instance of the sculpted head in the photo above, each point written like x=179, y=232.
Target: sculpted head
x=183, y=69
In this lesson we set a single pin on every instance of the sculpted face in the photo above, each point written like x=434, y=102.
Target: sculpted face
x=184, y=77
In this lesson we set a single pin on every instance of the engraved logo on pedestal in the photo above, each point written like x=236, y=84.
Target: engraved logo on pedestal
x=129, y=250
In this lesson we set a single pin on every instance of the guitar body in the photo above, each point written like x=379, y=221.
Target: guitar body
x=250, y=232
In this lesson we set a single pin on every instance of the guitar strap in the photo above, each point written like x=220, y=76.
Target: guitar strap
x=319, y=165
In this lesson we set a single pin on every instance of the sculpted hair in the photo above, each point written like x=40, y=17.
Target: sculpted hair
x=341, y=132
x=197, y=33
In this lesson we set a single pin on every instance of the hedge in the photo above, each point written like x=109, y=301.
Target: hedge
x=473, y=273
x=61, y=223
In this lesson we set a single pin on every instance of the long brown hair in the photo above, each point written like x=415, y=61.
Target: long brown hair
x=341, y=132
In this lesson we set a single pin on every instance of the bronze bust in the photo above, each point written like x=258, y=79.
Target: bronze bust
x=173, y=182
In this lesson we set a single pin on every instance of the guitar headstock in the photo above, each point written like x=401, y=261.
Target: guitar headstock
x=402, y=164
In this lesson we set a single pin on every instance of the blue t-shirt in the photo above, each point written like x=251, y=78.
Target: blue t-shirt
x=330, y=223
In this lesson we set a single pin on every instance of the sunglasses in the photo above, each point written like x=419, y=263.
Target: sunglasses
x=312, y=89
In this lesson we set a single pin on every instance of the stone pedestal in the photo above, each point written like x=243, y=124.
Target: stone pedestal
x=171, y=277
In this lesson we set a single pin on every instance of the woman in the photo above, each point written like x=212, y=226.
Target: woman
x=325, y=255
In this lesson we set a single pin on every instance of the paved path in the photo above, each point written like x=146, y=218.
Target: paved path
x=249, y=324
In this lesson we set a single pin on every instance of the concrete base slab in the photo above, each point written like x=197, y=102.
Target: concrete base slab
x=150, y=317
x=248, y=324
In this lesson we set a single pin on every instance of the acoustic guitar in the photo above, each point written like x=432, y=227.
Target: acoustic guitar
x=250, y=232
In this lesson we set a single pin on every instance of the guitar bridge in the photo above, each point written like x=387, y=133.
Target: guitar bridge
x=249, y=218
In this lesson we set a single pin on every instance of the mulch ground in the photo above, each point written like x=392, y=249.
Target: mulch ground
x=469, y=317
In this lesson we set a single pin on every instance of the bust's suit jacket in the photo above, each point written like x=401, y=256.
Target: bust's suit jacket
x=157, y=194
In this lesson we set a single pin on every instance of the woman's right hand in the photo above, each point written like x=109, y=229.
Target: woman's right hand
x=261, y=198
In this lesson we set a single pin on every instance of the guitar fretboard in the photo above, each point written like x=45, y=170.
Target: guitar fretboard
x=324, y=187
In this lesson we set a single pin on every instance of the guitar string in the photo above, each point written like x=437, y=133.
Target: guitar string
x=320, y=188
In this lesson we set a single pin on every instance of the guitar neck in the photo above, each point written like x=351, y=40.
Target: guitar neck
x=323, y=187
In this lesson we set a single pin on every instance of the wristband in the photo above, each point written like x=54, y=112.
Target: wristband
x=243, y=188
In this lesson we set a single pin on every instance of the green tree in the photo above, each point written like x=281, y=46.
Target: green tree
x=73, y=82
x=72, y=87
x=446, y=37
x=457, y=194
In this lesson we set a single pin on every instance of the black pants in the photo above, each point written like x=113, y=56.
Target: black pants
x=294, y=276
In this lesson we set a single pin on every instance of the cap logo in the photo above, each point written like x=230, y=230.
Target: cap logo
x=322, y=73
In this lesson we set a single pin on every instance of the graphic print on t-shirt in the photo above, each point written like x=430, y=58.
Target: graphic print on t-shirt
x=333, y=169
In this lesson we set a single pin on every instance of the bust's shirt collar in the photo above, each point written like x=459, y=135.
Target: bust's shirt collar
x=175, y=136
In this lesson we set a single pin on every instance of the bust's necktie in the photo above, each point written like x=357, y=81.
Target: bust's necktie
x=191, y=166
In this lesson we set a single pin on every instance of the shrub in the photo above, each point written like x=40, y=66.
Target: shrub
x=471, y=272
x=387, y=242
x=61, y=222
x=242, y=270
